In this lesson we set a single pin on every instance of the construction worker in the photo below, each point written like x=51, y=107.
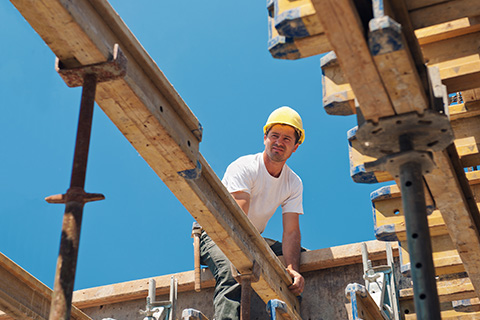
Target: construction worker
x=260, y=183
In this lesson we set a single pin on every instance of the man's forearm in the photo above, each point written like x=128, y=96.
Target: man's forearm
x=291, y=254
x=291, y=250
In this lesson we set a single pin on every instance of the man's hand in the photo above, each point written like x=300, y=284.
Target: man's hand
x=298, y=282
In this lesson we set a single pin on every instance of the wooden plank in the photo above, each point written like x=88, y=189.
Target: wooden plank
x=457, y=59
x=22, y=296
x=389, y=220
x=346, y=34
x=310, y=261
x=464, y=110
x=338, y=97
x=389, y=225
x=288, y=48
x=451, y=50
x=446, y=259
x=396, y=65
x=448, y=30
x=467, y=305
x=464, y=119
x=138, y=289
x=471, y=95
x=452, y=194
x=450, y=288
x=343, y=255
x=416, y=4
x=447, y=312
x=467, y=138
x=292, y=49
x=463, y=74
x=443, y=11
x=295, y=18
x=148, y=111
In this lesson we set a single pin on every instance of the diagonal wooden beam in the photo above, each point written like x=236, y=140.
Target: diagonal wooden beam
x=453, y=196
x=152, y=116
x=22, y=296
x=346, y=34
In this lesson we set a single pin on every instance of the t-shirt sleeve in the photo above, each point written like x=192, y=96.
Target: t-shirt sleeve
x=238, y=177
x=294, y=203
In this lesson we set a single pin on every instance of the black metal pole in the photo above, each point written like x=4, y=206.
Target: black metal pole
x=427, y=305
x=75, y=199
x=246, y=285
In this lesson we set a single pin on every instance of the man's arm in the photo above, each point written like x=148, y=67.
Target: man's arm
x=291, y=250
x=243, y=200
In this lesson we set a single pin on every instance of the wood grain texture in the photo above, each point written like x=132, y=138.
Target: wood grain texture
x=441, y=11
x=453, y=196
x=152, y=116
x=345, y=32
x=22, y=296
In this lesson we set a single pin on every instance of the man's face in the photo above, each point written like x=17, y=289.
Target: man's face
x=280, y=142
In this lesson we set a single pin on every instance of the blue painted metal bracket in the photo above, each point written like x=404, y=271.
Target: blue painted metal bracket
x=466, y=305
x=290, y=24
x=192, y=314
x=274, y=306
x=351, y=292
x=191, y=174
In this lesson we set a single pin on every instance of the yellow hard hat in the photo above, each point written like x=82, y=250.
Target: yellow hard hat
x=288, y=116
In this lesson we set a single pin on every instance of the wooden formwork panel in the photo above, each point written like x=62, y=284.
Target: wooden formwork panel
x=450, y=289
x=464, y=120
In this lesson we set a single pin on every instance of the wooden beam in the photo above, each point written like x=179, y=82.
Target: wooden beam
x=448, y=30
x=442, y=11
x=453, y=196
x=447, y=312
x=295, y=19
x=453, y=52
x=452, y=46
x=397, y=63
x=467, y=138
x=138, y=289
x=416, y=4
x=464, y=120
x=449, y=289
x=153, y=117
x=343, y=255
x=461, y=74
x=344, y=29
x=22, y=296
x=464, y=110
x=338, y=97
x=294, y=30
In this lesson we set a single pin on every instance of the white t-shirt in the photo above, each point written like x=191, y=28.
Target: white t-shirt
x=267, y=193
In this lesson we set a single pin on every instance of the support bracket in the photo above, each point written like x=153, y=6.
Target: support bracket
x=114, y=68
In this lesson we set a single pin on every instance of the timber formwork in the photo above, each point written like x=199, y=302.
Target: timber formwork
x=153, y=117
x=327, y=271
x=370, y=76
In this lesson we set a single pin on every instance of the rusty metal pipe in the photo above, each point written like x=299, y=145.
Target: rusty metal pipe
x=75, y=199
x=84, y=130
x=246, y=284
x=67, y=262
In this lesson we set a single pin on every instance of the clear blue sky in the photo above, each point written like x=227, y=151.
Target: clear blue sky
x=215, y=55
